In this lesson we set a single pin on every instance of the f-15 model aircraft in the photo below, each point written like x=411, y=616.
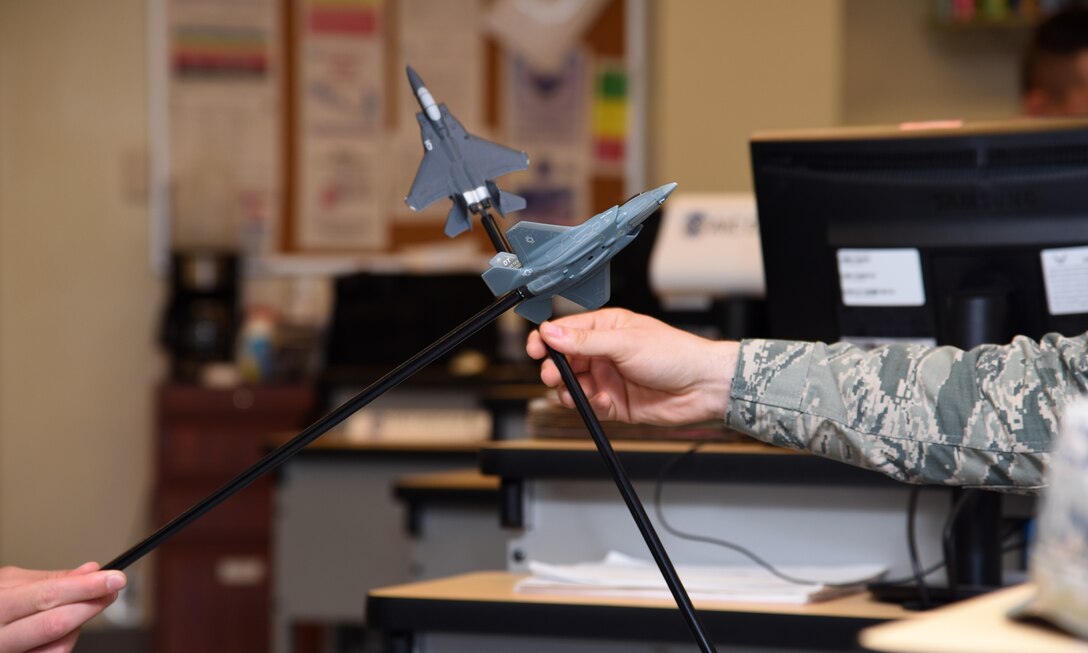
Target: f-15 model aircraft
x=458, y=165
x=569, y=261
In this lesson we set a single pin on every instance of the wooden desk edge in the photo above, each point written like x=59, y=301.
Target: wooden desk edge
x=469, y=478
x=639, y=446
x=498, y=587
x=334, y=442
x=979, y=625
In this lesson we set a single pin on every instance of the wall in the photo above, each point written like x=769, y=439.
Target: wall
x=78, y=302
x=898, y=65
x=723, y=69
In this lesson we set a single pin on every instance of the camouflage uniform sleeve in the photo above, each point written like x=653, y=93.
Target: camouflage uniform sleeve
x=984, y=417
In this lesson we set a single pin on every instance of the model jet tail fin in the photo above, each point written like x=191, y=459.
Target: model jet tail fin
x=504, y=202
x=504, y=273
x=458, y=221
x=510, y=203
x=592, y=293
x=504, y=277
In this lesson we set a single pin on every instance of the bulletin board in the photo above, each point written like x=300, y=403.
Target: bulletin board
x=291, y=124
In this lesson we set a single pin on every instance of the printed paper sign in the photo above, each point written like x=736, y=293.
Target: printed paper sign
x=1065, y=274
x=881, y=277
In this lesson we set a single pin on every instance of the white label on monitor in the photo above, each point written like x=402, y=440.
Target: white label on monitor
x=1065, y=275
x=881, y=277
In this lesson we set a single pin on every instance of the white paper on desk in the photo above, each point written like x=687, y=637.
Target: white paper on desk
x=619, y=575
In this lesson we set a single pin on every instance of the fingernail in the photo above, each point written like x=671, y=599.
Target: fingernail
x=553, y=330
x=115, y=581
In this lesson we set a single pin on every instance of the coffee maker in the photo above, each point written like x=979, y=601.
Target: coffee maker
x=200, y=324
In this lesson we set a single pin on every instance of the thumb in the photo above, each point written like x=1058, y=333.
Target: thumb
x=582, y=342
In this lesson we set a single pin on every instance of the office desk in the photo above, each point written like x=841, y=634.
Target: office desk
x=559, y=495
x=741, y=462
x=458, y=487
x=340, y=531
x=485, y=603
x=974, y=626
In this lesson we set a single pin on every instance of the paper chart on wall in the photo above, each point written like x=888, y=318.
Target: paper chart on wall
x=224, y=133
x=341, y=64
x=339, y=196
x=610, y=119
x=341, y=69
x=547, y=107
x=542, y=32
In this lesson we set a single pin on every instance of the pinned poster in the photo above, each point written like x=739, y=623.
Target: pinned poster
x=341, y=68
x=205, y=50
x=547, y=107
x=339, y=198
x=610, y=115
x=542, y=32
x=341, y=59
x=223, y=125
x=555, y=187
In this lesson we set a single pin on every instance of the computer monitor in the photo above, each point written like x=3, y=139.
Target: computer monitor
x=959, y=234
x=954, y=235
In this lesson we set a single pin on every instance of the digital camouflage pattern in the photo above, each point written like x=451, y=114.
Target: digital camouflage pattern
x=1059, y=555
x=983, y=417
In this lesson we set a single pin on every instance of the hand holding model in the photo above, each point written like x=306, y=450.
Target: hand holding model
x=42, y=611
x=637, y=369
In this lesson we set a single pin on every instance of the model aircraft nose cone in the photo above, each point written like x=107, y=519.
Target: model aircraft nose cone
x=661, y=193
x=413, y=79
x=635, y=211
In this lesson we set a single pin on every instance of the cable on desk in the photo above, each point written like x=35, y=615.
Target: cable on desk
x=948, y=536
x=937, y=566
x=706, y=539
x=912, y=548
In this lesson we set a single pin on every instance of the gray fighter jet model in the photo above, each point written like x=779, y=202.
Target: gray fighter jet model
x=572, y=262
x=458, y=165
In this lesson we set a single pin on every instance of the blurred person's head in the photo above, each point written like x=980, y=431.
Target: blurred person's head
x=1054, y=76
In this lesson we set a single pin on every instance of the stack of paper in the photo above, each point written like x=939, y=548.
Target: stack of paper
x=619, y=575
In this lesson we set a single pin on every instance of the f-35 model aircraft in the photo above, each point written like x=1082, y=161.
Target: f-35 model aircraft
x=569, y=261
x=458, y=165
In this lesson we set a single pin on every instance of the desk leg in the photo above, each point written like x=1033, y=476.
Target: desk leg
x=414, y=519
x=512, y=503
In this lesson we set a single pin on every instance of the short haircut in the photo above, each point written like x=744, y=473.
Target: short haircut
x=1048, y=61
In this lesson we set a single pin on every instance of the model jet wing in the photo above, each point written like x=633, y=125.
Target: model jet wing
x=432, y=179
x=593, y=292
x=490, y=159
x=525, y=237
x=494, y=160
